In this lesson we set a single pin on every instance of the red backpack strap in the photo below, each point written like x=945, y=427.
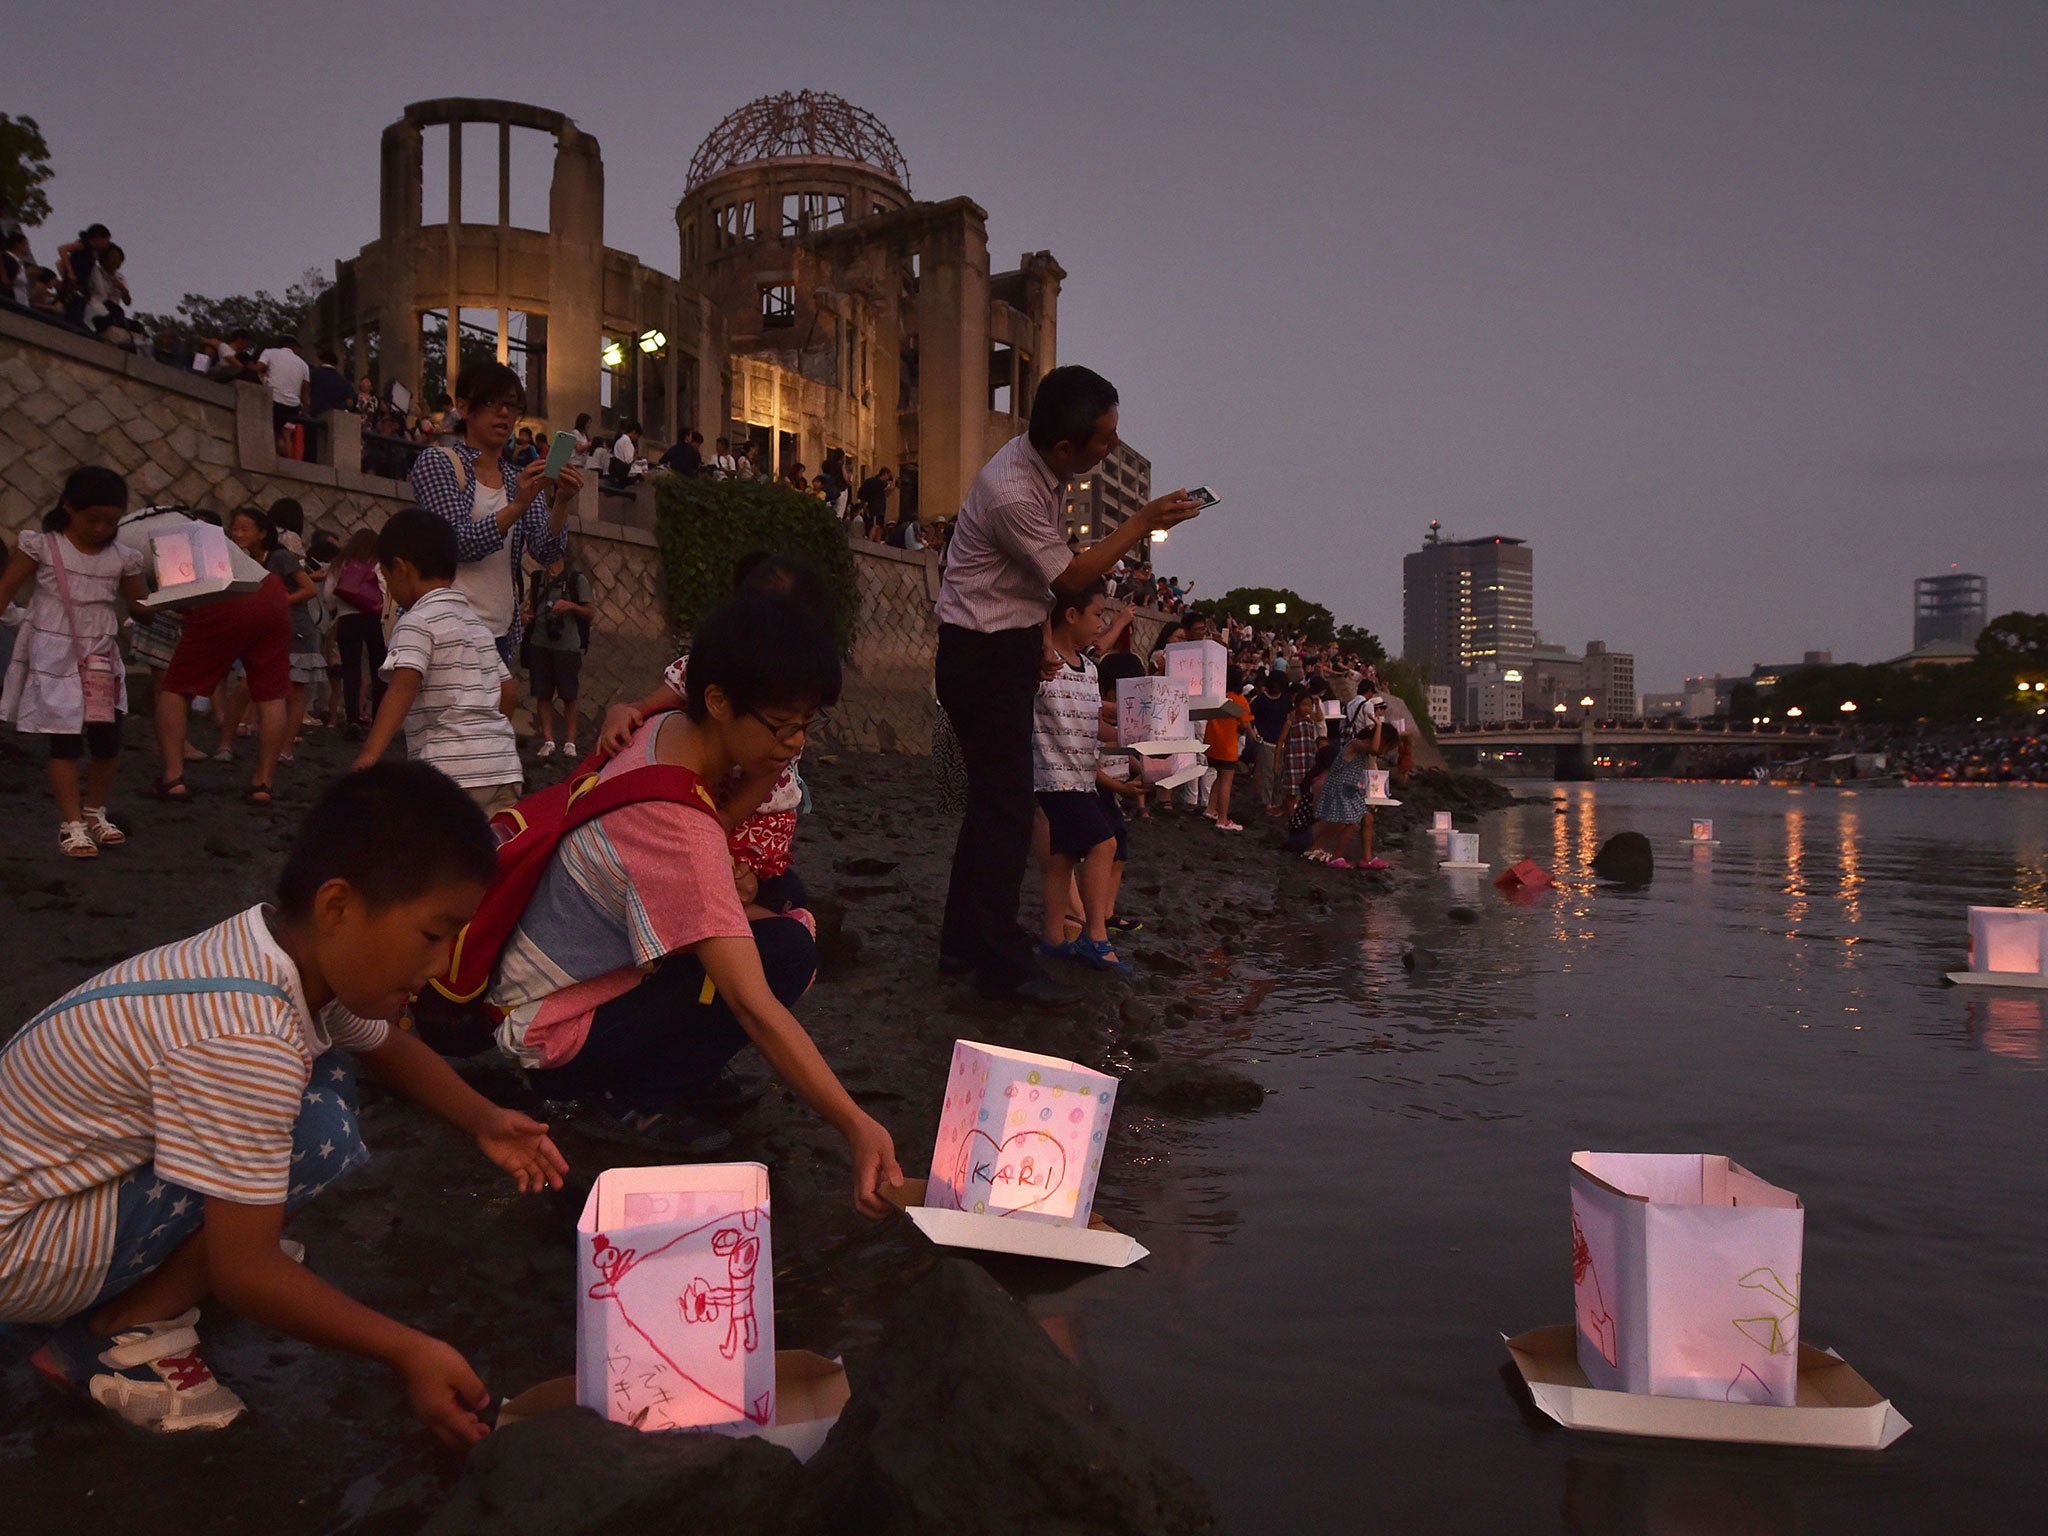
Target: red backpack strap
x=595, y=796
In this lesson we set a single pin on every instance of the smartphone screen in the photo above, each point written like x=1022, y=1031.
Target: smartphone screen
x=1204, y=495
x=558, y=455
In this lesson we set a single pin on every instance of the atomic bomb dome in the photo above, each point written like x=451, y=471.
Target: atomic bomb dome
x=798, y=125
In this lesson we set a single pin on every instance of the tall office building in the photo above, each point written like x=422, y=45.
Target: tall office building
x=1952, y=607
x=1100, y=501
x=1466, y=603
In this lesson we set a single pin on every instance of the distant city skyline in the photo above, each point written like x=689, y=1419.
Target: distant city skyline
x=1733, y=312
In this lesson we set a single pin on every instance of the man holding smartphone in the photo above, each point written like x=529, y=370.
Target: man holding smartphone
x=1007, y=559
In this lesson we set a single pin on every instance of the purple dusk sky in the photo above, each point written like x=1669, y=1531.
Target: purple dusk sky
x=1735, y=312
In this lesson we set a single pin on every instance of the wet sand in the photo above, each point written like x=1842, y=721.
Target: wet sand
x=430, y=1233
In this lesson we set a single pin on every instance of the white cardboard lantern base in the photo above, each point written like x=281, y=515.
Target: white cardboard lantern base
x=1474, y=864
x=1097, y=1243
x=1380, y=803
x=1701, y=842
x=810, y=1391
x=1996, y=979
x=1836, y=1406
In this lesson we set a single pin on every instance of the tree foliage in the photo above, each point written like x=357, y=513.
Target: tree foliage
x=704, y=526
x=2015, y=639
x=1311, y=619
x=262, y=314
x=1361, y=642
x=2014, y=649
x=24, y=168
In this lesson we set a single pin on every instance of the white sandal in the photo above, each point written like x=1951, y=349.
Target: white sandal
x=76, y=841
x=102, y=828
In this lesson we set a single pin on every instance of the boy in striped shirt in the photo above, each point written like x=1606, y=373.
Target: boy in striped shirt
x=443, y=665
x=159, y=1122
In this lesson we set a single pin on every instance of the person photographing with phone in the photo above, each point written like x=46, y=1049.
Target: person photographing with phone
x=499, y=512
x=1007, y=560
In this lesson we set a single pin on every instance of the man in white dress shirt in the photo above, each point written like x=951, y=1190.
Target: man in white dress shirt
x=1007, y=558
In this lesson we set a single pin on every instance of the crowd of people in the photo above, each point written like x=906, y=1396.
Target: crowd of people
x=1983, y=755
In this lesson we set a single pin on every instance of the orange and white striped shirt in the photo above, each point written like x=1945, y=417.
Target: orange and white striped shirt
x=192, y=1056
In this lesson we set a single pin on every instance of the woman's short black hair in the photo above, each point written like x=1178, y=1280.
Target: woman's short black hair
x=1069, y=402
x=787, y=576
x=762, y=651
x=424, y=541
x=395, y=831
x=489, y=383
x=90, y=485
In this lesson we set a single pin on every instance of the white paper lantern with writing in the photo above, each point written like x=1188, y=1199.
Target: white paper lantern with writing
x=1020, y=1136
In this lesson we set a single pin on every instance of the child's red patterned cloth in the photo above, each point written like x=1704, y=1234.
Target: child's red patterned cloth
x=762, y=842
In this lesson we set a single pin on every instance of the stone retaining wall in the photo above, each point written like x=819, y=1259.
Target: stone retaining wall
x=67, y=400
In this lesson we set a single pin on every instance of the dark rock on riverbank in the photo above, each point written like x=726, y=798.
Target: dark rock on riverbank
x=1192, y=1088
x=572, y=1473
x=971, y=1420
x=1626, y=859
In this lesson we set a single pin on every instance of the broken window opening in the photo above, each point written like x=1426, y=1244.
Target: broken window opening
x=733, y=224
x=805, y=213
x=999, y=393
x=778, y=305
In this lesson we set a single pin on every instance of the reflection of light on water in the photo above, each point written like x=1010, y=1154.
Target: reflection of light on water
x=2008, y=1026
x=1795, y=871
x=1852, y=870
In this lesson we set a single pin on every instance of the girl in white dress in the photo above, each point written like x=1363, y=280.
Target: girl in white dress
x=74, y=554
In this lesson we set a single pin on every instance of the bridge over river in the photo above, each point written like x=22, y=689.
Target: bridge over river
x=1578, y=746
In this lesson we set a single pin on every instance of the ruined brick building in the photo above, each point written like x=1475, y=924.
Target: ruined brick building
x=817, y=305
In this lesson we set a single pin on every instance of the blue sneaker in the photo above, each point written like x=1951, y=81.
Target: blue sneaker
x=1101, y=954
x=150, y=1376
x=1065, y=950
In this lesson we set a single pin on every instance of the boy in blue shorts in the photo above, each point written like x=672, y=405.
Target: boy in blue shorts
x=159, y=1122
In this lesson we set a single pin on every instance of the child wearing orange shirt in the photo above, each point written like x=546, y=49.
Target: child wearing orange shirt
x=1224, y=733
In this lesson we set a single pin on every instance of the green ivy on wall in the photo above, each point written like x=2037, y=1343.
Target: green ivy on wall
x=704, y=526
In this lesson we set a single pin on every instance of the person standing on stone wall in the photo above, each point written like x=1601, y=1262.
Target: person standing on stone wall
x=874, y=499
x=1008, y=559
x=500, y=514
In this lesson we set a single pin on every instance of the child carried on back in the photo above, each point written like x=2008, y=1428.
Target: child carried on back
x=163, y=1119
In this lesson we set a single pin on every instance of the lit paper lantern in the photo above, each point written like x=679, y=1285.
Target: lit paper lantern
x=1020, y=1136
x=1202, y=669
x=675, y=1298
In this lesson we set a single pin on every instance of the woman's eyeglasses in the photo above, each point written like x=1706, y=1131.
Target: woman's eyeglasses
x=789, y=732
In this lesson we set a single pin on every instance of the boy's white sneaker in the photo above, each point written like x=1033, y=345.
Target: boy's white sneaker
x=150, y=1376
x=569, y=749
x=546, y=749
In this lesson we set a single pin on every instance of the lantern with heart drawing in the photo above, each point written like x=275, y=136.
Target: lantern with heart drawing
x=675, y=1301
x=1020, y=1136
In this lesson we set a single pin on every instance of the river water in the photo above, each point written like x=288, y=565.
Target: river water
x=1317, y=1332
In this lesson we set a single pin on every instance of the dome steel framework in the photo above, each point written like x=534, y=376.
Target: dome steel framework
x=798, y=123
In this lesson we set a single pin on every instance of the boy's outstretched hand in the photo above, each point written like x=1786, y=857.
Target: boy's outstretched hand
x=519, y=1144
x=446, y=1395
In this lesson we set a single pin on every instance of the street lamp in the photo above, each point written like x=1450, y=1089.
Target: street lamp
x=1586, y=702
x=1158, y=535
x=1279, y=607
x=1848, y=706
x=1794, y=712
x=652, y=341
x=1252, y=609
x=614, y=355
x=1557, y=708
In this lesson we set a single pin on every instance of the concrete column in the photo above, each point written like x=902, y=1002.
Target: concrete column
x=576, y=276
x=453, y=298
x=398, y=320
x=953, y=354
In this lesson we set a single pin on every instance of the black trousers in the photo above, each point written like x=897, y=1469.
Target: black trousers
x=357, y=633
x=988, y=685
